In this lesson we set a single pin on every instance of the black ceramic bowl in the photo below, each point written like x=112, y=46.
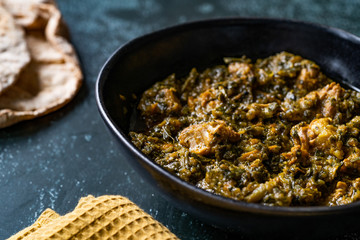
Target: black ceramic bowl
x=137, y=65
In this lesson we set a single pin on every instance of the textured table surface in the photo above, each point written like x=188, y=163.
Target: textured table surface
x=55, y=160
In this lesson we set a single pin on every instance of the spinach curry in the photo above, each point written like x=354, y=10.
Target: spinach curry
x=276, y=131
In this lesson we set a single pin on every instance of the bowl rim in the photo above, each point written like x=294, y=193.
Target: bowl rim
x=216, y=200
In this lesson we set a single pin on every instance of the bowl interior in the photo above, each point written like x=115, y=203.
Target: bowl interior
x=151, y=58
x=137, y=65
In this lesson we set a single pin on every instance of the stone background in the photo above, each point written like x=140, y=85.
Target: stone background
x=54, y=160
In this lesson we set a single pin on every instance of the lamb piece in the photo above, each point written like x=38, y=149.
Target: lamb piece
x=345, y=192
x=299, y=135
x=330, y=96
x=262, y=111
x=351, y=164
x=354, y=123
x=282, y=65
x=323, y=136
x=163, y=103
x=309, y=76
x=319, y=135
x=241, y=69
x=325, y=103
x=203, y=138
x=205, y=104
x=300, y=109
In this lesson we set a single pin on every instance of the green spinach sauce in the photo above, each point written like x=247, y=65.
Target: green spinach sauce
x=276, y=131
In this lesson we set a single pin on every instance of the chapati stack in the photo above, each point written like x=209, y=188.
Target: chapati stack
x=39, y=70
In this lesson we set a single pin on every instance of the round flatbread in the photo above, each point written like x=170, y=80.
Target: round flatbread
x=25, y=12
x=53, y=76
x=14, y=55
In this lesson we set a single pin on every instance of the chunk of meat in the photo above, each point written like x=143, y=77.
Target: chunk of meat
x=309, y=101
x=345, y=192
x=330, y=96
x=323, y=136
x=205, y=103
x=354, y=123
x=202, y=138
x=352, y=162
x=169, y=98
x=319, y=135
x=262, y=110
x=300, y=109
x=241, y=69
x=280, y=65
x=207, y=98
x=165, y=102
x=307, y=78
x=325, y=103
x=300, y=139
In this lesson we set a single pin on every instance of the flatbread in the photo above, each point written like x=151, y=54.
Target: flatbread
x=26, y=12
x=53, y=76
x=14, y=55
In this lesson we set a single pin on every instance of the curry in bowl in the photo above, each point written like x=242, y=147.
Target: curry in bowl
x=276, y=131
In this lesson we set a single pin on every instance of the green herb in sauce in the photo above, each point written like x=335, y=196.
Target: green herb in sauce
x=276, y=131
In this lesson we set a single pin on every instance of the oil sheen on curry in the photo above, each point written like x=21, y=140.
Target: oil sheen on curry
x=276, y=131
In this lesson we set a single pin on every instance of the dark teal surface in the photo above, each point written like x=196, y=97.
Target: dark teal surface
x=52, y=161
